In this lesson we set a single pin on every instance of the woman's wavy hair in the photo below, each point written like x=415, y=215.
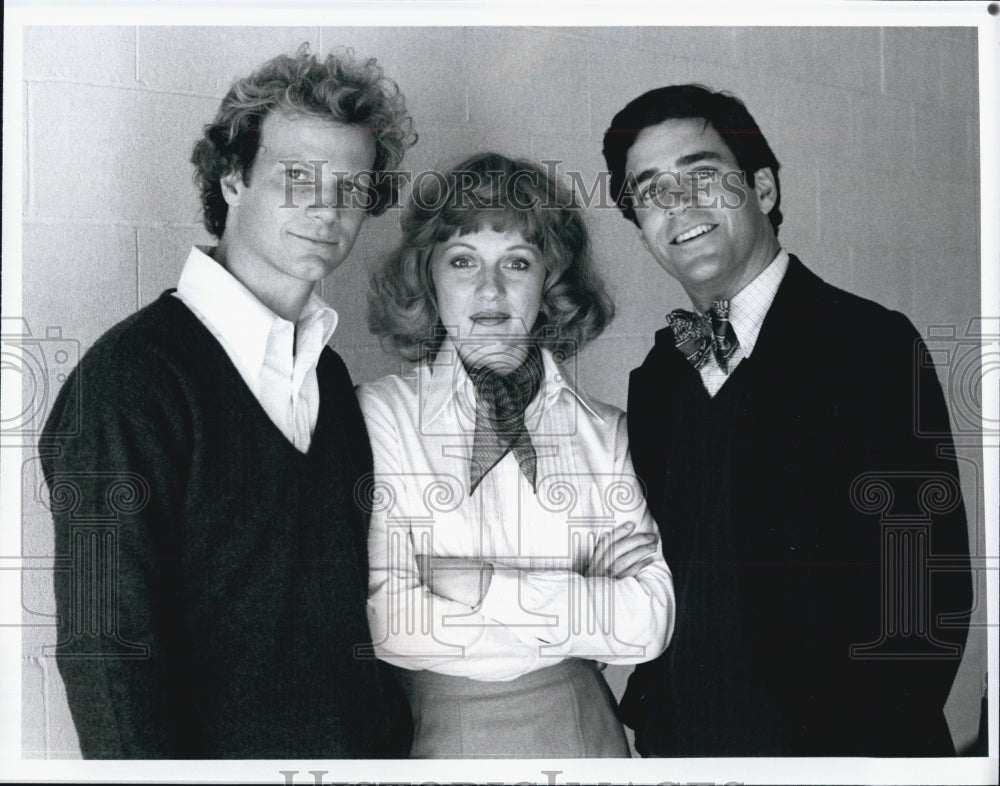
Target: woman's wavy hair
x=341, y=89
x=489, y=190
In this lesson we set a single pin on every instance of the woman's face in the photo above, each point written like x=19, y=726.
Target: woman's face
x=489, y=292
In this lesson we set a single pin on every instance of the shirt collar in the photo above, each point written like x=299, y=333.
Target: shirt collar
x=241, y=319
x=445, y=381
x=749, y=306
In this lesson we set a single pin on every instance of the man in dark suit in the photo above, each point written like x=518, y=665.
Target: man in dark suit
x=815, y=531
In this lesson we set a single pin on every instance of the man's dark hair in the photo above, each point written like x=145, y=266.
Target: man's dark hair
x=722, y=111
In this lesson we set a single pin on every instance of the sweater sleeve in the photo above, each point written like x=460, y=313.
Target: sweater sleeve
x=892, y=678
x=114, y=494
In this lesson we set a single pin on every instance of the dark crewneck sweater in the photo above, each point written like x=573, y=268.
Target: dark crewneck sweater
x=240, y=562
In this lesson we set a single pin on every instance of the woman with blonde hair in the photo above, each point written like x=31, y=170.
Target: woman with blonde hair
x=511, y=552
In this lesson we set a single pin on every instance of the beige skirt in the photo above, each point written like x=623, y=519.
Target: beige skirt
x=563, y=711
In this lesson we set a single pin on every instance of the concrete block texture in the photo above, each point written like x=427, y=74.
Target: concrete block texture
x=161, y=252
x=206, y=60
x=902, y=48
x=876, y=130
x=79, y=278
x=106, y=55
x=111, y=154
x=847, y=57
x=430, y=65
x=529, y=80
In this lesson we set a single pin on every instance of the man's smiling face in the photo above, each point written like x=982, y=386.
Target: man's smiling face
x=697, y=215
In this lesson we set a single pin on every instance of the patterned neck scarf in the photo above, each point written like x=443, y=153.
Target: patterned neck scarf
x=500, y=403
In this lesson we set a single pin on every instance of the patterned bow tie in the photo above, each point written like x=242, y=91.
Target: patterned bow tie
x=695, y=335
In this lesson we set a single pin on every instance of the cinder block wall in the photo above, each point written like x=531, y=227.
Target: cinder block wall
x=876, y=130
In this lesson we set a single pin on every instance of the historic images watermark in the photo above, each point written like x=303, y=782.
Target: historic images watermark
x=591, y=504
x=39, y=365
x=700, y=187
x=585, y=505
x=550, y=778
x=967, y=360
x=964, y=361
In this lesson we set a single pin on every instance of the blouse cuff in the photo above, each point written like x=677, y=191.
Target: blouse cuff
x=502, y=604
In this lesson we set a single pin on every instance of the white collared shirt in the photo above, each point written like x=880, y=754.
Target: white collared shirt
x=540, y=607
x=747, y=309
x=276, y=358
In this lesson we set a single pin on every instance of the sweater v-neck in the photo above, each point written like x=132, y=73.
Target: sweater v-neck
x=215, y=357
x=692, y=378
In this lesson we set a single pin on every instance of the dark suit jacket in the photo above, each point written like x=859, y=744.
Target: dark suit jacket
x=829, y=478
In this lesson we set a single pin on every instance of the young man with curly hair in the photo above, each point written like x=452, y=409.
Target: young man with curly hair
x=232, y=582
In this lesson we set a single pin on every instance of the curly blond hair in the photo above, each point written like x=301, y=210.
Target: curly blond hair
x=341, y=89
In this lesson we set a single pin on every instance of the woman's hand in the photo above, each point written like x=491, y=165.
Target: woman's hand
x=622, y=553
x=459, y=579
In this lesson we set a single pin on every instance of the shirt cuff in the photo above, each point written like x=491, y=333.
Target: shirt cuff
x=502, y=604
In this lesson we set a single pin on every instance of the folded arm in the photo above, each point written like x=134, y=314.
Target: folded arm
x=498, y=618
